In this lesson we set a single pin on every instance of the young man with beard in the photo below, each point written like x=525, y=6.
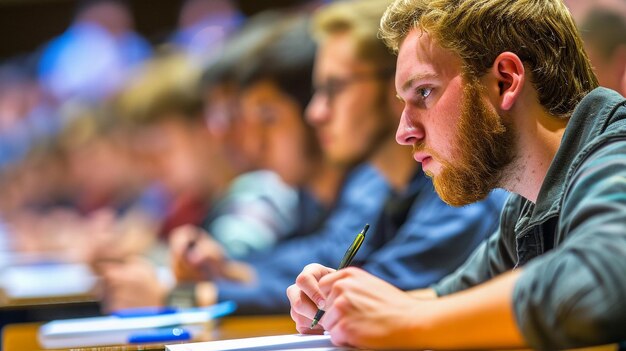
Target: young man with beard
x=499, y=94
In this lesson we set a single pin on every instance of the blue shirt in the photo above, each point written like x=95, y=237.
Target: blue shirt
x=429, y=240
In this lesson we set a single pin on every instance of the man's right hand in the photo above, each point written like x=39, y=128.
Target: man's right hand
x=195, y=255
x=306, y=297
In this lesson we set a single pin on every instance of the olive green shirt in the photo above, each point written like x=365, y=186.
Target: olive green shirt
x=572, y=242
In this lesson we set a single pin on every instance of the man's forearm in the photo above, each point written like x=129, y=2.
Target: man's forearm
x=477, y=318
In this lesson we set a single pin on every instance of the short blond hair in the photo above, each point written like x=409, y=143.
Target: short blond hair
x=360, y=20
x=541, y=32
x=165, y=87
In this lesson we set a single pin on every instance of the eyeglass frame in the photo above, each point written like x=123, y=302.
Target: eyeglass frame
x=340, y=84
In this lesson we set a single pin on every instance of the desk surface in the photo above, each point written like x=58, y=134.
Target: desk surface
x=20, y=337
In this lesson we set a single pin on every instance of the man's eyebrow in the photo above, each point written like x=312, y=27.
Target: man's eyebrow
x=416, y=77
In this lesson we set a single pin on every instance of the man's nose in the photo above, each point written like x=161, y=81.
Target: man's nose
x=409, y=132
x=318, y=110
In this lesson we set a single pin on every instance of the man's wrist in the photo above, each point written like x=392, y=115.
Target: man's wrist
x=424, y=294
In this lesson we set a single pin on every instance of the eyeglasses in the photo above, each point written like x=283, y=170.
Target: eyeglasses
x=335, y=86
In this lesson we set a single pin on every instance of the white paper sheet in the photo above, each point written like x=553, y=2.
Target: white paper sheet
x=279, y=342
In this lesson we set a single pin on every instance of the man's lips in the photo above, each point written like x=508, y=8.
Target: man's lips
x=424, y=159
x=421, y=157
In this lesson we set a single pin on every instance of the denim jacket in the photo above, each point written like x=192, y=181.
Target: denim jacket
x=571, y=242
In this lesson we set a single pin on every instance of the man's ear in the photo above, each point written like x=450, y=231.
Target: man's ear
x=510, y=75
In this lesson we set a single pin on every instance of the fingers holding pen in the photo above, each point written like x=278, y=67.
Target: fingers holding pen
x=301, y=304
x=302, y=311
x=181, y=239
x=305, y=297
x=308, y=282
x=336, y=287
x=316, y=288
x=195, y=255
x=332, y=285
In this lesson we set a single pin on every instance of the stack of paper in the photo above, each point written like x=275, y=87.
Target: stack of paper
x=279, y=342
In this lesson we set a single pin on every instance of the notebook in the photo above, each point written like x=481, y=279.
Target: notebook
x=42, y=280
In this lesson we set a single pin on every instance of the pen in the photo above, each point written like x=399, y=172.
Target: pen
x=214, y=311
x=160, y=335
x=191, y=244
x=345, y=262
x=143, y=311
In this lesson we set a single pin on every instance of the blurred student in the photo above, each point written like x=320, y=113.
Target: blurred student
x=24, y=119
x=204, y=26
x=603, y=30
x=271, y=96
x=161, y=106
x=499, y=94
x=258, y=189
x=91, y=59
x=354, y=114
x=164, y=103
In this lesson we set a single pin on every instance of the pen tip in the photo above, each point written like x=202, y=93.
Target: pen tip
x=366, y=228
x=314, y=323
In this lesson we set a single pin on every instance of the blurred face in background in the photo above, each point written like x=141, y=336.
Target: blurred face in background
x=230, y=131
x=349, y=109
x=285, y=141
x=610, y=69
x=100, y=168
x=177, y=153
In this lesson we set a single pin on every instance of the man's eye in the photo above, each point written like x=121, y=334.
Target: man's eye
x=334, y=86
x=424, y=92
